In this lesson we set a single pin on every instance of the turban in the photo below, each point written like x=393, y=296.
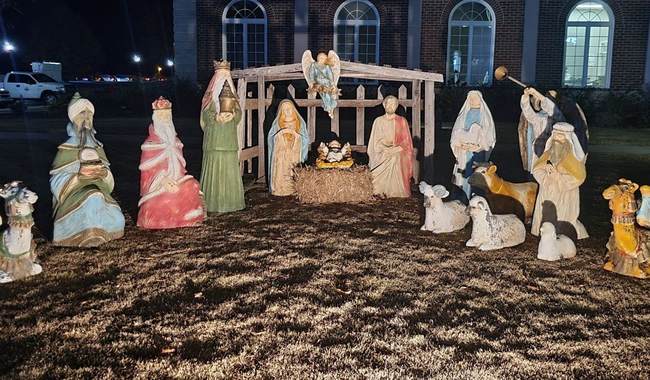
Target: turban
x=78, y=105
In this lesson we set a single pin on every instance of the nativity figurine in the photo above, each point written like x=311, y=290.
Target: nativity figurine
x=643, y=215
x=560, y=171
x=322, y=76
x=18, y=249
x=472, y=139
x=85, y=213
x=390, y=153
x=170, y=198
x=442, y=217
x=491, y=231
x=628, y=248
x=288, y=145
x=221, y=181
x=553, y=246
x=333, y=155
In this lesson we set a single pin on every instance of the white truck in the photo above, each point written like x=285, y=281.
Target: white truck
x=23, y=85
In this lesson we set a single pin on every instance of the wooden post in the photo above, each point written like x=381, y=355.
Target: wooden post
x=292, y=91
x=334, y=122
x=261, y=112
x=401, y=92
x=429, y=118
x=361, y=115
x=311, y=118
x=416, y=114
x=249, y=136
x=241, y=93
x=269, y=95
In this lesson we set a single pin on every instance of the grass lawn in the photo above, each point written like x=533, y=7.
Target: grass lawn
x=283, y=290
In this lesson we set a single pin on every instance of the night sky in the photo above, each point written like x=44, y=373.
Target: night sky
x=88, y=36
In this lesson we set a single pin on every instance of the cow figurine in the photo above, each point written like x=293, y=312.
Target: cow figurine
x=441, y=217
x=493, y=231
x=17, y=249
x=505, y=197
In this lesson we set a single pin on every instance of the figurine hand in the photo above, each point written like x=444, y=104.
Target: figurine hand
x=550, y=169
x=224, y=117
x=170, y=185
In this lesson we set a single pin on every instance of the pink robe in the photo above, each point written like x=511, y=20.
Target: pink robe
x=160, y=208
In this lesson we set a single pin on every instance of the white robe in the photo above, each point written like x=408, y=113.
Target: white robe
x=384, y=159
x=286, y=155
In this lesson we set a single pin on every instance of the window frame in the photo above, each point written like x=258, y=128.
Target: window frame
x=588, y=25
x=225, y=21
x=493, y=26
x=357, y=24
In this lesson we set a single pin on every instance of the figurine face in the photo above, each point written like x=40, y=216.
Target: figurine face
x=391, y=106
x=287, y=112
x=84, y=119
x=164, y=116
x=474, y=101
x=321, y=58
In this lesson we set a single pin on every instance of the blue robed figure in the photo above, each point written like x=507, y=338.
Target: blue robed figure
x=288, y=143
x=322, y=76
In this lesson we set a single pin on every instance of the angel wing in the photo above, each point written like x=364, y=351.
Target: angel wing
x=307, y=60
x=335, y=63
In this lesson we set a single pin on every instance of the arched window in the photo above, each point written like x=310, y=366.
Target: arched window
x=244, y=33
x=470, y=55
x=356, y=31
x=588, y=45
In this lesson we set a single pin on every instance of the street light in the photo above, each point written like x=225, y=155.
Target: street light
x=170, y=63
x=137, y=58
x=8, y=47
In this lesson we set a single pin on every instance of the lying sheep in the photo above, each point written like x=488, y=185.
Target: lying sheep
x=493, y=231
x=441, y=217
x=554, y=247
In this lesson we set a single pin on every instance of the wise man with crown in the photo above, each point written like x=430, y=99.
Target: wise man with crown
x=170, y=198
x=221, y=180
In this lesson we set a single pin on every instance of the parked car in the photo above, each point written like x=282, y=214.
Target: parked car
x=33, y=86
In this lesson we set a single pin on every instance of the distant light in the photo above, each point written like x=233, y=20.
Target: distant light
x=159, y=68
x=137, y=58
x=170, y=63
x=8, y=47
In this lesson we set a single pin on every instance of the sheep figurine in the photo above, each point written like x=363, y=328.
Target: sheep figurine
x=493, y=231
x=554, y=247
x=441, y=217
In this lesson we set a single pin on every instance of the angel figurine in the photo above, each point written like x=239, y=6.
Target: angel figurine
x=322, y=76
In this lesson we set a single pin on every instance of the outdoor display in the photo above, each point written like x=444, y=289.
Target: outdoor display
x=442, y=217
x=18, y=249
x=221, y=180
x=170, y=197
x=322, y=76
x=491, y=231
x=85, y=213
x=288, y=142
x=560, y=170
x=472, y=139
x=628, y=246
x=390, y=152
x=333, y=155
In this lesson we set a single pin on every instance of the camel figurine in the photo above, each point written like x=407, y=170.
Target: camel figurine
x=17, y=249
x=629, y=245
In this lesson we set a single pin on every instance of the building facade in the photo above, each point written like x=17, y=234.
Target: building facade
x=555, y=43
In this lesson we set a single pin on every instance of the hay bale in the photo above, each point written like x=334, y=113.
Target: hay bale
x=333, y=185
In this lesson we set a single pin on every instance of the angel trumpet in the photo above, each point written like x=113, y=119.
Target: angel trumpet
x=501, y=73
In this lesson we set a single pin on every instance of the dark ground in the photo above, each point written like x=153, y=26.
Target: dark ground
x=282, y=290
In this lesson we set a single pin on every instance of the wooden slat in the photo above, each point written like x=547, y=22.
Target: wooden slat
x=248, y=153
x=380, y=95
x=361, y=114
x=417, y=108
x=241, y=92
x=380, y=72
x=401, y=92
x=261, y=72
x=269, y=96
x=359, y=148
x=252, y=103
x=350, y=103
x=429, y=118
x=292, y=91
x=261, y=111
x=334, y=122
x=311, y=115
x=249, y=127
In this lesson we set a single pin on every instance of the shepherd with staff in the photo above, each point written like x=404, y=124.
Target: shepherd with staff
x=538, y=114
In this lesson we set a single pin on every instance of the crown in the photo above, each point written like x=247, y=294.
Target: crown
x=161, y=104
x=221, y=64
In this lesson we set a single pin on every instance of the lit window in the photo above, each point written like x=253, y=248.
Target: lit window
x=244, y=34
x=356, y=32
x=470, y=55
x=588, y=45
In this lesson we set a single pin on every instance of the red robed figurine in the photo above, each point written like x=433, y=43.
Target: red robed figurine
x=170, y=198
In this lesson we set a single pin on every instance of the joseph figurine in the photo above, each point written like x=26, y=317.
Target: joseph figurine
x=221, y=180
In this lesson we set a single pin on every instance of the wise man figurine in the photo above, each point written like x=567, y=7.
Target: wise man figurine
x=538, y=114
x=472, y=139
x=288, y=143
x=643, y=215
x=390, y=153
x=85, y=214
x=221, y=180
x=170, y=198
x=560, y=171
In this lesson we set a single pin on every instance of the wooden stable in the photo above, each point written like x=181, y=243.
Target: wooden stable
x=263, y=75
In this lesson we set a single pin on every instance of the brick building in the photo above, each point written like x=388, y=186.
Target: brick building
x=569, y=43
